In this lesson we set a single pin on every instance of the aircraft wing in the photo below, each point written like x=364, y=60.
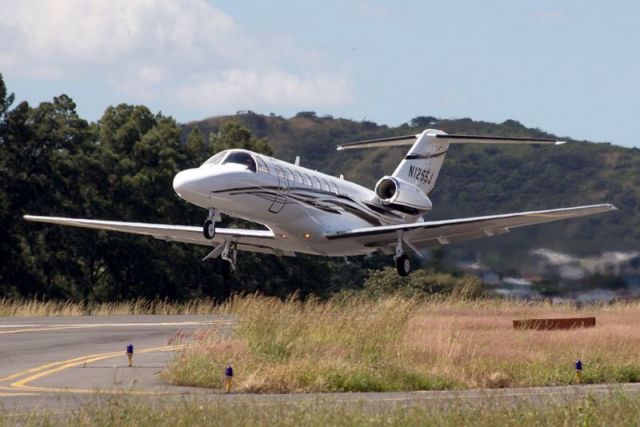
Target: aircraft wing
x=262, y=241
x=435, y=233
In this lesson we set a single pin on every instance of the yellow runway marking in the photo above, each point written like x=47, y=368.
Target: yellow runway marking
x=45, y=329
x=53, y=368
x=111, y=325
x=40, y=368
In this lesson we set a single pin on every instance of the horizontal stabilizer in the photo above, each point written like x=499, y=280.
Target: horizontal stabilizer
x=477, y=139
x=397, y=141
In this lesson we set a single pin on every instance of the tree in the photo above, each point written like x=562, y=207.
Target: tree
x=196, y=146
x=5, y=100
x=235, y=135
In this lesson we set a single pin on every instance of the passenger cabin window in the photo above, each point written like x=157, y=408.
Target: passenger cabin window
x=241, y=158
x=280, y=171
x=334, y=186
x=290, y=176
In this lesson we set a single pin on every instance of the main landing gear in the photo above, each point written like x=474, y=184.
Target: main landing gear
x=227, y=250
x=403, y=262
x=209, y=227
x=229, y=256
x=403, y=265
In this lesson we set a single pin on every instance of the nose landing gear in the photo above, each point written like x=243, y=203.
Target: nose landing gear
x=209, y=227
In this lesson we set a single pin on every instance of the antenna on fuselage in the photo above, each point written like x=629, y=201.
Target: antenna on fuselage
x=297, y=162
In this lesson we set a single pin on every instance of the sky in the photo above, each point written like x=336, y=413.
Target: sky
x=568, y=67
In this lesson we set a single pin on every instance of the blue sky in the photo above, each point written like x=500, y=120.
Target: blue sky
x=568, y=67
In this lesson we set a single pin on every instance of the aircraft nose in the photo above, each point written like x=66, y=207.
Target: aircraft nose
x=185, y=181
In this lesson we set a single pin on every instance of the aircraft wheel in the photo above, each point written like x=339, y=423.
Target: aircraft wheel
x=403, y=265
x=209, y=229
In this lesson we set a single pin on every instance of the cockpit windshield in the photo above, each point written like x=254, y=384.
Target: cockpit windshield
x=216, y=159
x=242, y=158
x=232, y=156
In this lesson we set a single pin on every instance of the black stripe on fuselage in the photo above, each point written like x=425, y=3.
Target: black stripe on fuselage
x=310, y=199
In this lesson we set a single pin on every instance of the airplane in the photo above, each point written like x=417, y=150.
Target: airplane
x=308, y=212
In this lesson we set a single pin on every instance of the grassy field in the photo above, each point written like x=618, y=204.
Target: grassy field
x=394, y=344
x=30, y=307
x=616, y=410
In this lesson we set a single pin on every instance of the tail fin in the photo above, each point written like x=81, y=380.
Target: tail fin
x=422, y=163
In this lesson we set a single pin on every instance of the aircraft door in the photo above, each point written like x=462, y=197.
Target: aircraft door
x=282, y=189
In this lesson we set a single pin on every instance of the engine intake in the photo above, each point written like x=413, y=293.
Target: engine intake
x=398, y=193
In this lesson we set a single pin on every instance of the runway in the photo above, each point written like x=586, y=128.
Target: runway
x=58, y=363
x=55, y=361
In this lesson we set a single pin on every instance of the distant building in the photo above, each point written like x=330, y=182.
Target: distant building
x=487, y=276
x=613, y=263
x=517, y=288
x=557, y=264
x=597, y=296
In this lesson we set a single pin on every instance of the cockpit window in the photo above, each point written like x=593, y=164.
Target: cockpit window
x=216, y=159
x=242, y=158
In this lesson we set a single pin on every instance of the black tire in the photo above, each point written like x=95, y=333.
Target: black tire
x=209, y=229
x=403, y=265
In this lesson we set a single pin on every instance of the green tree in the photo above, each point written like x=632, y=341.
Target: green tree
x=196, y=147
x=235, y=135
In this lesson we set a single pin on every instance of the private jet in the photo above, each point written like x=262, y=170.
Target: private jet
x=308, y=212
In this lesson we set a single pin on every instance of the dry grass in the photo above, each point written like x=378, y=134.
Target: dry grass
x=476, y=346
x=402, y=344
x=30, y=307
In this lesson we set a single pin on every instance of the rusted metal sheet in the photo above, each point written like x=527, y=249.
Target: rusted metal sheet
x=551, y=324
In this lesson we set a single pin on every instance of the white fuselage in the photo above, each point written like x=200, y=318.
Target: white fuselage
x=300, y=205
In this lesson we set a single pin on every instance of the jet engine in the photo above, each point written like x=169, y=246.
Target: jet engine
x=401, y=195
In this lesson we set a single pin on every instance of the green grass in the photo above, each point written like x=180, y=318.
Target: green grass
x=618, y=409
x=303, y=346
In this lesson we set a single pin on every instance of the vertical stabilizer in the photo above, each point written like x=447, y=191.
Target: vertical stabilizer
x=421, y=165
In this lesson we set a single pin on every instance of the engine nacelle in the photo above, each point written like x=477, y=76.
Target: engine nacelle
x=400, y=194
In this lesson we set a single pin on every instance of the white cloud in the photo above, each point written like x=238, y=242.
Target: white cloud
x=165, y=49
x=242, y=88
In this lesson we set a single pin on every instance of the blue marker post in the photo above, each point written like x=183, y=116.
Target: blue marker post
x=228, y=378
x=578, y=371
x=130, y=353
